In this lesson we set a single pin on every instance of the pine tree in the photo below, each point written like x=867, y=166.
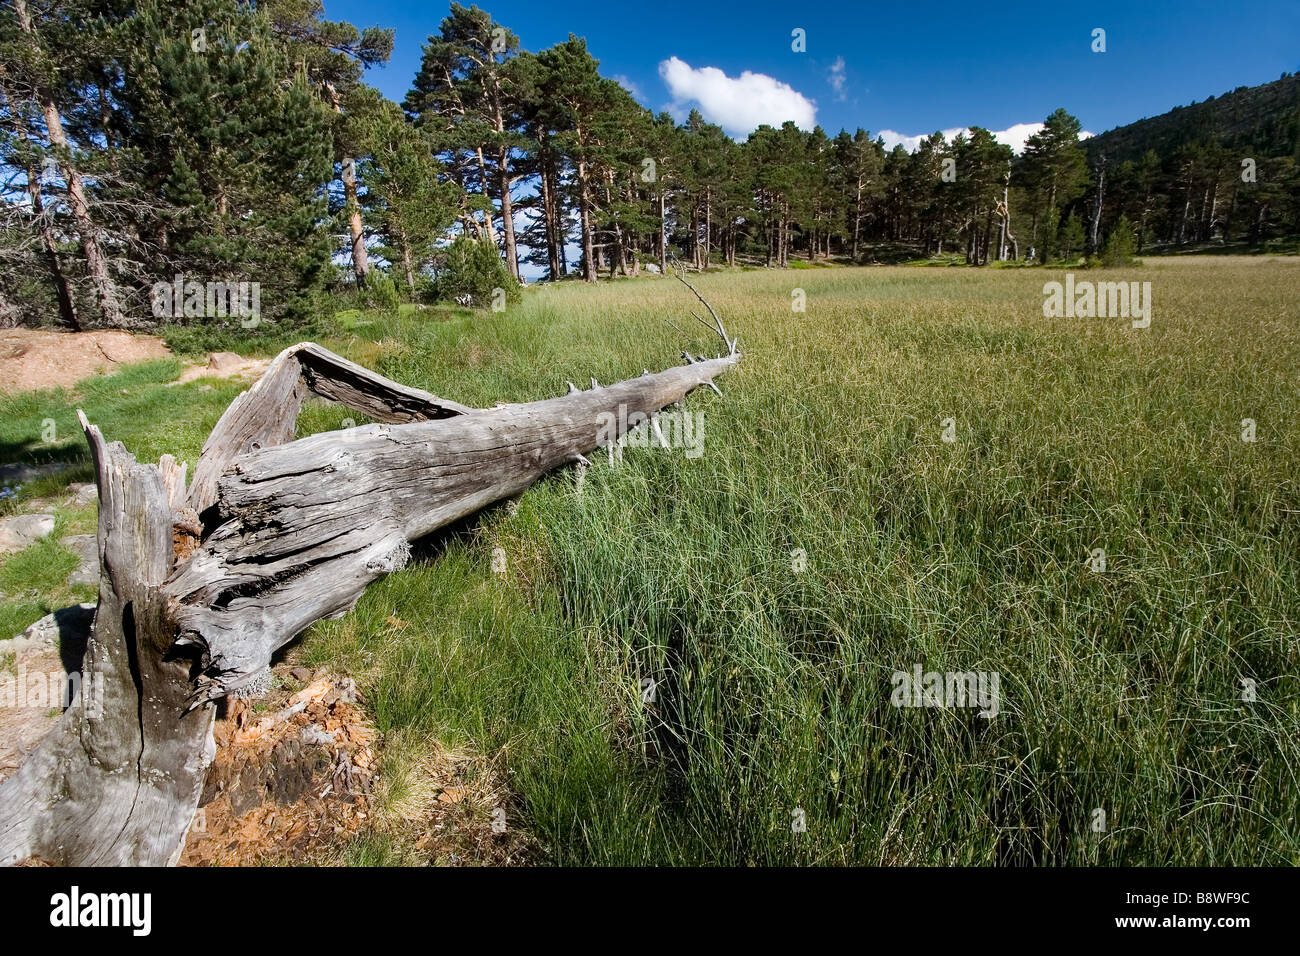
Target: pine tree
x=982, y=164
x=860, y=161
x=407, y=202
x=236, y=155
x=49, y=57
x=1119, y=244
x=1056, y=172
x=332, y=56
x=470, y=90
x=570, y=81
x=1071, y=238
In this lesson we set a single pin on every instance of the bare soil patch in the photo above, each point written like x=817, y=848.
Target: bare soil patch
x=224, y=365
x=37, y=358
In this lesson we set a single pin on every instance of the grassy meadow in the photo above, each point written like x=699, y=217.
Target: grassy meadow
x=827, y=537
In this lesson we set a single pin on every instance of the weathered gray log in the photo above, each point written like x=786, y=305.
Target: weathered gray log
x=300, y=529
x=198, y=590
x=266, y=414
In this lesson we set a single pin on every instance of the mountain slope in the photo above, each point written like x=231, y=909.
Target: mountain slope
x=1263, y=119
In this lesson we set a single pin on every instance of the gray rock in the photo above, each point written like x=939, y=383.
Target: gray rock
x=68, y=625
x=223, y=361
x=86, y=547
x=83, y=492
x=18, y=531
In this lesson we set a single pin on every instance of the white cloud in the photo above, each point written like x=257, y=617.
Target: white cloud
x=739, y=105
x=836, y=77
x=628, y=85
x=1013, y=136
x=893, y=139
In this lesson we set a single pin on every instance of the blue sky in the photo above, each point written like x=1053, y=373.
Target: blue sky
x=909, y=68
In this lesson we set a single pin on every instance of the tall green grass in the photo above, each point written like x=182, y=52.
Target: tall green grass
x=1122, y=691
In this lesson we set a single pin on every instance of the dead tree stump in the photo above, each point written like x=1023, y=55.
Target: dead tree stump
x=200, y=586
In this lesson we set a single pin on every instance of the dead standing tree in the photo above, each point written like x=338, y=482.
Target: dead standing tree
x=199, y=587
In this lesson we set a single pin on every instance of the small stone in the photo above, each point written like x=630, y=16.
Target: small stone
x=223, y=361
x=18, y=531
x=83, y=492
x=301, y=674
x=86, y=547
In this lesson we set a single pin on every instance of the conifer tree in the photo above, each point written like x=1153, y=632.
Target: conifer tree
x=407, y=202
x=332, y=55
x=236, y=154
x=1056, y=172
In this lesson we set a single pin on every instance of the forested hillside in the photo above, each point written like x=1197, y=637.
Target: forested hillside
x=1263, y=118
x=1216, y=171
x=153, y=146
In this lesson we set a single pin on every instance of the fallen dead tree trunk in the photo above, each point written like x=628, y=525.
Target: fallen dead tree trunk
x=199, y=587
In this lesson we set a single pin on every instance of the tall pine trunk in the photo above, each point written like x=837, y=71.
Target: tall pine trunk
x=663, y=233
x=550, y=213
x=695, y=235
x=708, y=225
x=507, y=213
x=406, y=261
x=489, y=222
x=96, y=262
x=857, y=219
x=584, y=213
x=62, y=290
x=360, y=258
x=348, y=173
x=1095, y=238
x=767, y=227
